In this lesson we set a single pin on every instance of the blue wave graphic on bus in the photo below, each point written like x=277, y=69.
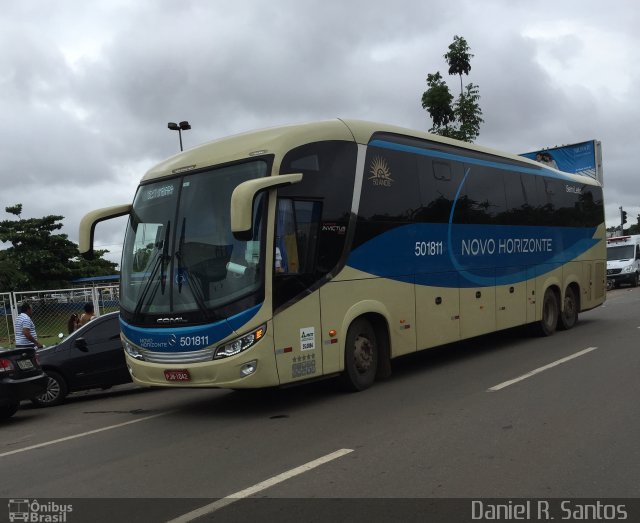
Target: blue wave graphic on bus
x=460, y=255
x=186, y=339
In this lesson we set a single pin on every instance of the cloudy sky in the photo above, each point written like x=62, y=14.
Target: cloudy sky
x=87, y=87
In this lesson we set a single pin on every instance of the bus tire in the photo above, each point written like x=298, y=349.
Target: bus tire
x=550, y=312
x=636, y=278
x=361, y=354
x=569, y=314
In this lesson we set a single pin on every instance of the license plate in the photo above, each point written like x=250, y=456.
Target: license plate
x=177, y=375
x=25, y=364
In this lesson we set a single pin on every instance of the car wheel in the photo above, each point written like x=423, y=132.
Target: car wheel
x=6, y=411
x=360, y=356
x=569, y=315
x=56, y=391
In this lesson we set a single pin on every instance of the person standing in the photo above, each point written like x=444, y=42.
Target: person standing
x=25, y=328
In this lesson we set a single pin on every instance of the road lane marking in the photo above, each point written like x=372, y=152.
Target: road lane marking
x=83, y=434
x=540, y=369
x=221, y=503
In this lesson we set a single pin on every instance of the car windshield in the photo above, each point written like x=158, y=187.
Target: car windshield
x=620, y=252
x=180, y=255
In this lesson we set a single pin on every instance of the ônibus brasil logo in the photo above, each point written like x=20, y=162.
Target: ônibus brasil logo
x=36, y=512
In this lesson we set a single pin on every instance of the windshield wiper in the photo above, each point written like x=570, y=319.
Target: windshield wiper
x=183, y=273
x=159, y=264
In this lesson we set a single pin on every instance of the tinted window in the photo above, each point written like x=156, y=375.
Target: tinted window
x=521, y=199
x=482, y=197
x=102, y=330
x=313, y=215
x=390, y=194
x=439, y=181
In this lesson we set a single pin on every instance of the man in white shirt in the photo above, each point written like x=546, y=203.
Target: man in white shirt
x=25, y=329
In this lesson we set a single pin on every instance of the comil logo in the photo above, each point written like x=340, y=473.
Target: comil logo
x=380, y=172
x=37, y=512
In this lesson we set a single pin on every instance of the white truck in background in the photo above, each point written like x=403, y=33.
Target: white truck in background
x=623, y=260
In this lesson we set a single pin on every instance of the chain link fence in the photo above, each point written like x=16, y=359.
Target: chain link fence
x=6, y=319
x=52, y=310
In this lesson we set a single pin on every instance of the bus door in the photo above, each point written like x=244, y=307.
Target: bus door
x=296, y=320
x=297, y=339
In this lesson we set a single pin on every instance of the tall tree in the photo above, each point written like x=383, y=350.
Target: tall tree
x=459, y=58
x=38, y=258
x=460, y=119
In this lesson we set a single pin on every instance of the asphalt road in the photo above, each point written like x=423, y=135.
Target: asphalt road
x=502, y=416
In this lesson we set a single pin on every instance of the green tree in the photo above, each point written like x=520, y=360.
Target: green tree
x=38, y=258
x=10, y=275
x=635, y=229
x=460, y=119
x=459, y=58
x=437, y=100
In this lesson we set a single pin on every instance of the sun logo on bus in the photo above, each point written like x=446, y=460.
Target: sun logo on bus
x=380, y=172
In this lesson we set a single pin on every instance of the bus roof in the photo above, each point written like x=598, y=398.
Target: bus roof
x=279, y=140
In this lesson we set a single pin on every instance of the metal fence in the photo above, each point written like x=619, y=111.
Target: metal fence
x=52, y=310
x=6, y=319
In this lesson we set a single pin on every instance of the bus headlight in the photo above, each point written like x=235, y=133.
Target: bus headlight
x=132, y=350
x=240, y=344
x=628, y=268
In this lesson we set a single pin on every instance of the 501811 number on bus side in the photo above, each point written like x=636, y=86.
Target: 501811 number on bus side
x=429, y=248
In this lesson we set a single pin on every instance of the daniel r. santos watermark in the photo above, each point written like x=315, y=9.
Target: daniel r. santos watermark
x=547, y=510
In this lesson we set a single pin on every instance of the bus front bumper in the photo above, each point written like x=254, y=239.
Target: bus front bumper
x=253, y=369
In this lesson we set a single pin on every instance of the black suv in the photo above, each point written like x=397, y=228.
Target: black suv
x=92, y=357
x=20, y=378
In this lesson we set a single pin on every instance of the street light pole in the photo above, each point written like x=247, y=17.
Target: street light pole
x=182, y=126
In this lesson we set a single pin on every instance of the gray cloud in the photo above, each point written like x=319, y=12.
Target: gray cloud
x=88, y=88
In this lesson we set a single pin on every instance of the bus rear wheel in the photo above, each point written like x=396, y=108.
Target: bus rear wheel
x=360, y=356
x=550, y=312
x=569, y=314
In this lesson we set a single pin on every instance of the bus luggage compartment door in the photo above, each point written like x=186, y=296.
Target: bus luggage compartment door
x=478, y=306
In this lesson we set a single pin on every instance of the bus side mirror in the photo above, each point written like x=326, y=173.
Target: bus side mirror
x=89, y=222
x=242, y=201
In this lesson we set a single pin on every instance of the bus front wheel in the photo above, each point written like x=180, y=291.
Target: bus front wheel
x=360, y=356
x=550, y=312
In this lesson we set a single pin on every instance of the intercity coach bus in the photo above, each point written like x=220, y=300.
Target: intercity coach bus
x=327, y=249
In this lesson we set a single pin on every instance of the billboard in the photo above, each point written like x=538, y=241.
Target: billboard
x=579, y=158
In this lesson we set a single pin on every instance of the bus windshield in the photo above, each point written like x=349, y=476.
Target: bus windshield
x=180, y=256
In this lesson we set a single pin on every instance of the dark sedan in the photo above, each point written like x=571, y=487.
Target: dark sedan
x=90, y=358
x=20, y=378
